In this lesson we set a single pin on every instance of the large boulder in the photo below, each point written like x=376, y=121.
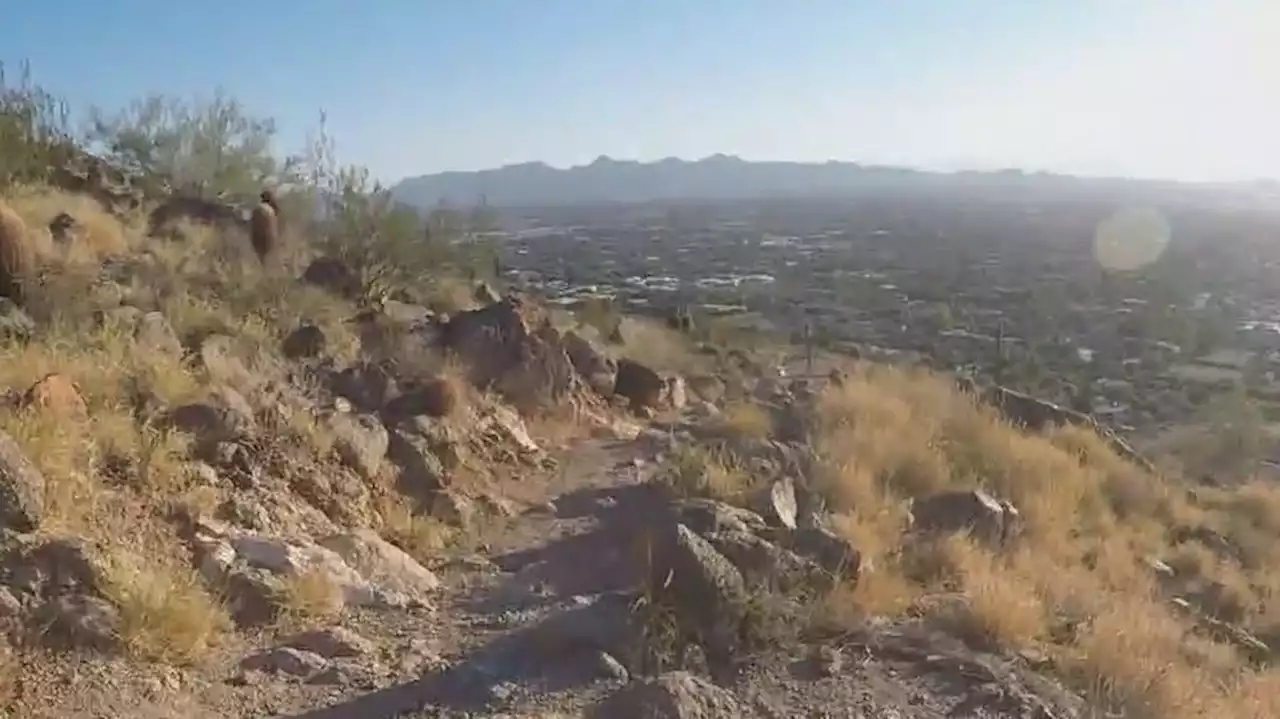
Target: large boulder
x=511, y=347
x=597, y=368
x=991, y=521
x=639, y=384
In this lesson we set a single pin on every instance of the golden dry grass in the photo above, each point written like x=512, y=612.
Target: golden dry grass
x=1080, y=587
x=695, y=471
x=308, y=597
x=114, y=474
x=746, y=419
x=422, y=537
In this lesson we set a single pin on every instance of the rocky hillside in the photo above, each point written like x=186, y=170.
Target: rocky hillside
x=235, y=489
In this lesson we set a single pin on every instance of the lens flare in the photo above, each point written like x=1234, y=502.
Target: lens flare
x=1131, y=238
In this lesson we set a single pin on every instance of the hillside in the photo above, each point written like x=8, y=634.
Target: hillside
x=332, y=479
x=724, y=177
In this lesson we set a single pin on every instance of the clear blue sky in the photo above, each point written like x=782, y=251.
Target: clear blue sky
x=1181, y=88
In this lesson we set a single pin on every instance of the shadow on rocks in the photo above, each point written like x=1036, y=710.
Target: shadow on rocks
x=570, y=649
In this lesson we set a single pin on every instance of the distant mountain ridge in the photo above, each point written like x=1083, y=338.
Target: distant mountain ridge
x=726, y=177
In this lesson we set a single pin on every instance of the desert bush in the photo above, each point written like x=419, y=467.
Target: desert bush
x=34, y=130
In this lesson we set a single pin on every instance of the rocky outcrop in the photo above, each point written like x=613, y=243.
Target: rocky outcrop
x=511, y=348
x=994, y=522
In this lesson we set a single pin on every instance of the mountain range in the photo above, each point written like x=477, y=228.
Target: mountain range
x=726, y=177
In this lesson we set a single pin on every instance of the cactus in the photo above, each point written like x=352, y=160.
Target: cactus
x=17, y=256
x=264, y=229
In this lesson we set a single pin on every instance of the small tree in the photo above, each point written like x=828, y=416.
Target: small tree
x=206, y=145
x=387, y=245
x=34, y=131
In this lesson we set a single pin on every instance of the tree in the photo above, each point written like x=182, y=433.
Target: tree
x=35, y=134
x=205, y=145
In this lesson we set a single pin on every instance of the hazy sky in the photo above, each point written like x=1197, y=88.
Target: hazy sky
x=1167, y=88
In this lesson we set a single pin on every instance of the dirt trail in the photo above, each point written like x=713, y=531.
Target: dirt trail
x=525, y=625
x=552, y=559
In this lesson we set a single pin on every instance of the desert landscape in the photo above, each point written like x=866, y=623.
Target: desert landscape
x=784, y=441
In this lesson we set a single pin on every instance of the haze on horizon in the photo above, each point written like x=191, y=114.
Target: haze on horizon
x=1143, y=88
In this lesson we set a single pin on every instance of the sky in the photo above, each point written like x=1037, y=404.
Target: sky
x=1184, y=89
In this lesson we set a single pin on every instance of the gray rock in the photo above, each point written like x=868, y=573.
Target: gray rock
x=83, y=621
x=675, y=695
x=331, y=643
x=383, y=564
x=780, y=503
x=705, y=516
x=830, y=551
x=306, y=341
x=421, y=471
x=761, y=562
x=285, y=660
x=361, y=442
x=22, y=488
x=988, y=519
x=702, y=586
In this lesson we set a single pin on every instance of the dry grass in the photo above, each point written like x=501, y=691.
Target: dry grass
x=652, y=343
x=421, y=537
x=307, y=598
x=1080, y=586
x=165, y=612
x=98, y=235
x=747, y=420
x=694, y=471
x=114, y=474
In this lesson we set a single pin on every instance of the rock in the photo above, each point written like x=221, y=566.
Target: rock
x=675, y=395
x=451, y=508
x=83, y=621
x=331, y=643
x=421, y=471
x=10, y=606
x=56, y=393
x=15, y=324
x=761, y=562
x=706, y=388
x=504, y=425
x=674, y=695
x=511, y=347
x=285, y=660
x=437, y=397
x=383, y=564
x=779, y=503
x=254, y=566
x=361, y=442
x=485, y=295
x=830, y=551
x=599, y=371
x=705, y=516
x=225, y=415
x=367, y=386
x=705, y=589
x=304, y=342
x=640, y=385
x=22, y=488
x=333, y=275
x=989, y=520
x=154, y=332
x=52, y=568
x=62, y=226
